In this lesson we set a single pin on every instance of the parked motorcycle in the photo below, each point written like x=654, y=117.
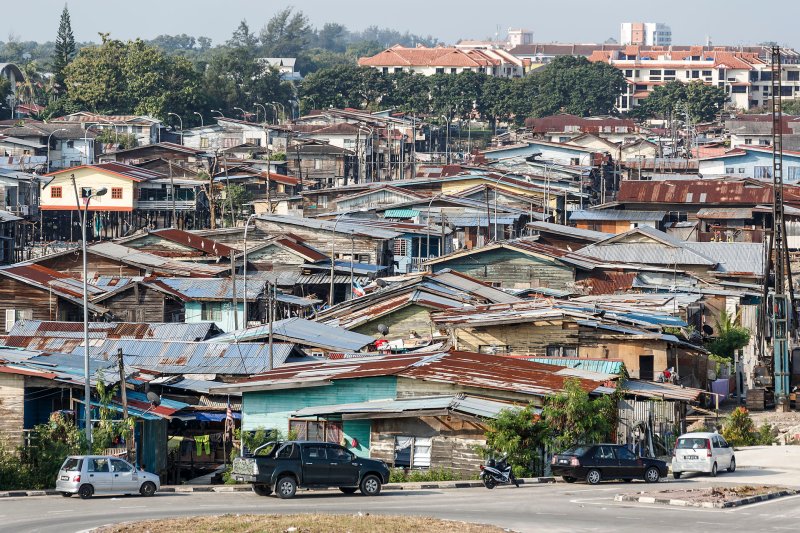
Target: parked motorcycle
x=498, y=472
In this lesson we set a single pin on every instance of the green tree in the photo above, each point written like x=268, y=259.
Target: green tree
x=287, y=34
x=122, y=141
x=704, y=101
x=740, y=430
x=333, y=37
x=791, y=107
x=242, y=37
x=575, y=85
x=64, y=51
x=337, y=87
x=729, y=338
x=574, y=418
x=519, y=433
x=132, y=78
x=5, y=94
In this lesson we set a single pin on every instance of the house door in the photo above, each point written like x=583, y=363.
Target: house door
x=646, y=367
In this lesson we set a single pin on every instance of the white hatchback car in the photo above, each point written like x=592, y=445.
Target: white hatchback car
x=86, y=475
x=702, y=452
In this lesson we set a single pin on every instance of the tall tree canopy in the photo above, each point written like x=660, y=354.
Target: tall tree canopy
x=704, y=101
x=133, y=77
x=64, y=50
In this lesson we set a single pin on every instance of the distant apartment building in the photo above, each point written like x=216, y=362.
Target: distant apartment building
x=446, y=60
x=745, y=75
x=519, y=37
x=645, y=33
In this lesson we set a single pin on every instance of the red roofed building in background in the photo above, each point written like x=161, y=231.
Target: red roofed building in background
x=446, y=60
x=743, y=74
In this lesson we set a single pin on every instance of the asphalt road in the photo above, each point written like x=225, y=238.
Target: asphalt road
x=550, y=507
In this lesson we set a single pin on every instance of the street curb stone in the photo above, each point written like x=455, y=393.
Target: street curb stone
x=709, y=505
x=246, y=488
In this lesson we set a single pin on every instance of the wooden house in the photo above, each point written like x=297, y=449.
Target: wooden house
x=179, y=244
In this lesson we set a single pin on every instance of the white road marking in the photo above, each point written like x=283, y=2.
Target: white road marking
x=56, y=512
x=133, y=507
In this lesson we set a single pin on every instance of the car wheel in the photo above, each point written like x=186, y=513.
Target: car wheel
x=593, y=476
x=85, y=492
x=66, y=494
x=371, y=485
x=348, y=490
x=569, y=479
x=652, y=475
x=148, y=489
x=714, y=470
x=676, y=475
x=261, y=489
x=286, y=488
x=732, y=467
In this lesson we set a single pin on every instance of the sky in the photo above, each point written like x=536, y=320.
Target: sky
x=729, y=22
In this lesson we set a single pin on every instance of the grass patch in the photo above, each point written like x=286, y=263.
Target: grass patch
x=401, y=475
x=299, y=523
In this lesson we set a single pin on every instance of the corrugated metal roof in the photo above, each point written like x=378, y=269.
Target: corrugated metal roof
x=211, y=288
x=306, y=332
x=569, y=231
x=469, y=405
x=616, y=215
x=745, y=257
x=401, y=213
x=725, y=213
x=155, y=263
x=472, y=285
x=30, y=332
x=603, y=366
x=470, y=221
x=195, y=357
x=665, y=391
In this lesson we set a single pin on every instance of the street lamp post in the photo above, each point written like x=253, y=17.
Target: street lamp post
x=199, y=115
x=87, y=388
x=333, y=261
x=275, y=116
x=265, y=111
x=428, y=238
x=220, y=113
x=313, y=104
x=48, y=146
x=244, y=113
x=181, y=123
x=244, y=269
x=283, y=110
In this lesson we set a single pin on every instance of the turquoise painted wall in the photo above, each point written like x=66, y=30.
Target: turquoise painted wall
x=271, y=409
x=194, y=314
x=360, y=431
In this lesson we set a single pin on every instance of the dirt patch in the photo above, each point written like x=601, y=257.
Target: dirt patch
x=713, y=494
x=302, y=523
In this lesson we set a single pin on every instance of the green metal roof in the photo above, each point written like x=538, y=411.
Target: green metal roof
x=594, y=365
x=400, y=213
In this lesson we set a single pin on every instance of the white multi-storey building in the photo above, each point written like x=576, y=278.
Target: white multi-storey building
x=645, y=33
x=745, y=76
x=446, y=60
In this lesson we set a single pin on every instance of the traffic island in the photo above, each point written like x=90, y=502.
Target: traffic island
x=300, y=523
x=712, y=497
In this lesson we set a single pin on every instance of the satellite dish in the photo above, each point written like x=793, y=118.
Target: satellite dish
x=383, y=329
x=154, y=399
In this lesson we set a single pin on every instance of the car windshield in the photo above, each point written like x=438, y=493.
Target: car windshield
x=577, y=451
x=692, y=443
x=72, y=464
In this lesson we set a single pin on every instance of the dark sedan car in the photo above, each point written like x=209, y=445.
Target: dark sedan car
x=596, y=462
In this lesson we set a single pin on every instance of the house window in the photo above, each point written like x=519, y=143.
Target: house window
x=400, y=247
x=412, y=452
x=793, y=75
x=385, y=70
x=762, y=172
x=439, y=70
x=13, y=315
x=677, y=216
x=56, y=192
x=562, y=351
x=764, y=142
x=318, y=164
x=317, y=430
x=70, y=144
x=729, y=170
x=629, y=73
x=253, y=140
x=322, y=201
x=203, y=142
x=748, y=141
x=453, y=70
x=116, y=193
x=706, y=73
x=211, y=311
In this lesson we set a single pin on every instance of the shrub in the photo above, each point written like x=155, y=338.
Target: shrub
x=739, y=430
x=401, y=475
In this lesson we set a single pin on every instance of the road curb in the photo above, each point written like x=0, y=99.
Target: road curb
x=188, y=489
x=709, y=505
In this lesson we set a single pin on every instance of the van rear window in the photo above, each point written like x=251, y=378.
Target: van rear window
x=72, y=464
x=692, y=443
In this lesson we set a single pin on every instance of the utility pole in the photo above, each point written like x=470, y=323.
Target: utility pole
x=124, y=393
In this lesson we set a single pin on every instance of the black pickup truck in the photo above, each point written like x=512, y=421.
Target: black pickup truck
x=292, y=464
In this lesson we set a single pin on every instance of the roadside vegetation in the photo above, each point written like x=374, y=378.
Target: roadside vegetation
x=740, y=430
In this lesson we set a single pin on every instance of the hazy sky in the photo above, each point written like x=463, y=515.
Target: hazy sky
x=730, y=22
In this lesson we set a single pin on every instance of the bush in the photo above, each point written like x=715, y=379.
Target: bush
x=739, y=430
x=401, y=475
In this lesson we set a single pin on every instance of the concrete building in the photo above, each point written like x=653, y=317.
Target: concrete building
x=446, y=60
x=646, y=33
x=518, y=37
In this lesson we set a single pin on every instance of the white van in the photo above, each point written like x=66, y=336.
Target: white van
x=702, y=452
x=86, y=475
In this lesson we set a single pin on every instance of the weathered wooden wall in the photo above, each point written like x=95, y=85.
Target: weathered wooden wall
x=521, y=338
x=141, y=304
x=12, y=410
x=512, y=269
x=453, y=440
x=401, y=323
x=40, y=304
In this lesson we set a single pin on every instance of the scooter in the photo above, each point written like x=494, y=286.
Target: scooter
x=499, y=472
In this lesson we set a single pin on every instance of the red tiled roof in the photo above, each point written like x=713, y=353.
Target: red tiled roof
x=428, y=57
x=586, y=125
